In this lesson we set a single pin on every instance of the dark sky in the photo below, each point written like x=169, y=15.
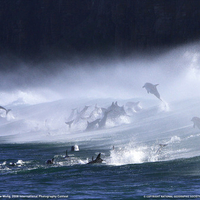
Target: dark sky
x=40, y=29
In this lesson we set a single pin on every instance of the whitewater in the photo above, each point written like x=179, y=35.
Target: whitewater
x=150, y=151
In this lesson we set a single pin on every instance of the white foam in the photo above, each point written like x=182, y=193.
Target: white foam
x=164, y=106
x=174, y=139
x=127, y=156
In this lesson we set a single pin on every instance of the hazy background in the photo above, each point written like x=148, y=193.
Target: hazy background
x=98, y=49
x=176, y=71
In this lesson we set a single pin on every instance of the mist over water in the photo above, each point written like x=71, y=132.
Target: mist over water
x=176, y=71
x=41, y=103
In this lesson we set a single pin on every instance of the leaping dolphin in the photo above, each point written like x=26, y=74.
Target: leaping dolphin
x=97, y=160
x=196, y=121
x=73, y=114
x=116, y=110
x=96, y=113
x=152, y=89
x=92, y=125
x=80, y=115
x=102, y=122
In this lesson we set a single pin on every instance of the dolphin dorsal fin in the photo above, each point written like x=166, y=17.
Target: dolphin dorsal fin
x=99, y=156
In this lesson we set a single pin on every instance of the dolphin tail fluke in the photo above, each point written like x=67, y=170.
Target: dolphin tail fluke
x=69, y=123
x=1, y=107
x=7, y=111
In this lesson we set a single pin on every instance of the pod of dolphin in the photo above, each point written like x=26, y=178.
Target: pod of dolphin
x=114, y=111
x=102, y=114
x=98, y=117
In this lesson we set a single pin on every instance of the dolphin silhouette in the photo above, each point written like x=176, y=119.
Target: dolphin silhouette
x=80, y=115
x=72, y=114
x=97, y=160
x=50, y=161
x=92, y=125
x=102, y=122
x=116, y=110
x=152, y=89
x=66, y=154
x=96, y=113
x=196, y=121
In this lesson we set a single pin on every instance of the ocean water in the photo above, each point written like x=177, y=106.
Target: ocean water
x=136, y=168
x=151, y=152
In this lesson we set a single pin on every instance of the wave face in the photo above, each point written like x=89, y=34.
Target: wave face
x=157, y=132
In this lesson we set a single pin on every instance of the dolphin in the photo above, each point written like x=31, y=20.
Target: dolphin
x=116, y=110
x=102, y=122
x=50, y=161
x=113, y=106
x=196, y=121
x=66, y=154
x=152, y=89
x=72, y=114
x=96, y=113
x=83, y=111
x=97, y=160
x=80, y=115
x=92, y=125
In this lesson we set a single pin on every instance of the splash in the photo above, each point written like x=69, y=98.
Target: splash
x=127, y=156
x=174, y=139
x=164, y=106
